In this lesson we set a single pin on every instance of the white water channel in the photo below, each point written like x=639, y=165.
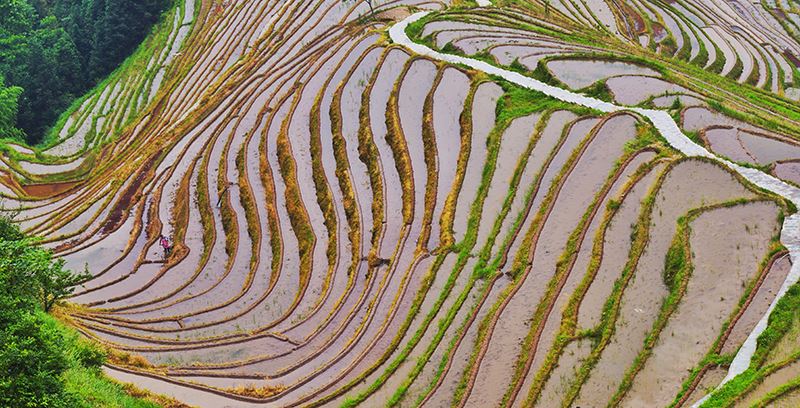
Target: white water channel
x=663, y=122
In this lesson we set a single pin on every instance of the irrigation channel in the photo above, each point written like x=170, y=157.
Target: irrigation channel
x=666, y=126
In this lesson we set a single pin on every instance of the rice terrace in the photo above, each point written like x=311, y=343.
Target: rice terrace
x=466, y=203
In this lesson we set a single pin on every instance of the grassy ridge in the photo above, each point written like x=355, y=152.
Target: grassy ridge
x=86, y=382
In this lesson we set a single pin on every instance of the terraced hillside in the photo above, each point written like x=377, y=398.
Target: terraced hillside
x=540, y=203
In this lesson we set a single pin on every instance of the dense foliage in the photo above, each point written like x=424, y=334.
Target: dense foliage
x=55, y=50
x=40, y=359
x=8, y=110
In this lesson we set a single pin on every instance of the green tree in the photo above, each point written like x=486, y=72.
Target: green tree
x=32, y=348
x=8, y=230
x=16, y=17
x=9, y=106
x=120, y=27
x=51, y=78
x=80, y=19
x=57, y=49
x=29, y=271
x=31, y=361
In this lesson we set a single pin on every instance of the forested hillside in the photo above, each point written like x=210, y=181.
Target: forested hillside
x=56, y=50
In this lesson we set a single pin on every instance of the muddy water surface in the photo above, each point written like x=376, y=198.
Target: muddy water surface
x=724, y=141
x=576, y=275
x=483, y=117
x=442, y=395
x=758, y=306
x=546, y=142
x=561, y=379
x=771, y=382
x=708, y=382
x=633, y=90
x=616, y=247
x=726, y=259
x=578, y=74
x=690, y=184
x=389, y=72
x=585, y=179
x=789, y=171
x=448, y=103
x=513, y=145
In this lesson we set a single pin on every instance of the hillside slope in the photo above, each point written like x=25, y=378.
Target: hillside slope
x=590, y=204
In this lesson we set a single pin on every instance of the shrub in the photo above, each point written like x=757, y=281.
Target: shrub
x=38, y=355
x=31, y=360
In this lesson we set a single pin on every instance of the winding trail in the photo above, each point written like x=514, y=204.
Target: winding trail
x=663, y=122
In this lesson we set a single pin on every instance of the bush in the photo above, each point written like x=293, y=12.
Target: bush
x=35, y=350
x=8, y=230
x=31, y=360
x=89, y=354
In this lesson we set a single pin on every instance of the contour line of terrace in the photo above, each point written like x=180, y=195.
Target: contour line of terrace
x=666, y=126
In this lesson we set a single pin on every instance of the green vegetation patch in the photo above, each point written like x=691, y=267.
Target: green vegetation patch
x=56, y=50
x=44, y=363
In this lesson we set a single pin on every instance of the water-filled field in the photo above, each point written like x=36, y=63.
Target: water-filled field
x=441, y=203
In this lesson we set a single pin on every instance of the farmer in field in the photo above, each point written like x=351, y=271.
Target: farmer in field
x=165, y=245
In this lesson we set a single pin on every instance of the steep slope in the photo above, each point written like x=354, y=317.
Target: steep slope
x=356, y=220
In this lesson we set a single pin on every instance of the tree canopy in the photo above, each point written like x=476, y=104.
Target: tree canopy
x=45, y=364
x=32, y=354
x=53, y=51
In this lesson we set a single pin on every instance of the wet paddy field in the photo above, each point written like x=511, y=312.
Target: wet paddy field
x=354, y=221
